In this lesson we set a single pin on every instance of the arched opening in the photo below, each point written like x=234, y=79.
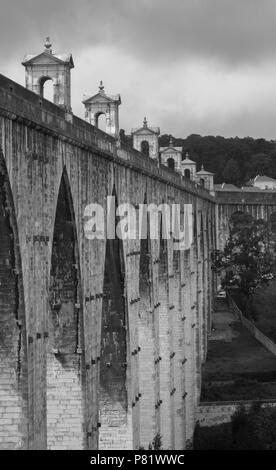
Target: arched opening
x=46, y=88
x=202, y=182
x=65, y=357
x=115, y=411
x=13, y=350
x=145, y=147
x=171, y=163
x=187, y=173
x=147, y=319
x=100, y=121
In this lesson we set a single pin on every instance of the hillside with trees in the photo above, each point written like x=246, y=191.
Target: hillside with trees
x=233, y=160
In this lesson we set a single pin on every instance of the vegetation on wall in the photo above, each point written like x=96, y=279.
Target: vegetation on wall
x=254, y=429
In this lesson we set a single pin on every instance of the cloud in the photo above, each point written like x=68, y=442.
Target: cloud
x=191, y=66
x=169, y=30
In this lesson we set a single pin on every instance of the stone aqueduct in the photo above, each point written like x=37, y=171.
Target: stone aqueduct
x=101, y=341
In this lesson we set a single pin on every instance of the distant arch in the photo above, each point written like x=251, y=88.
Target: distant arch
x=202, y=182
x=171, y=163
x=187, y=173
x=145, y=147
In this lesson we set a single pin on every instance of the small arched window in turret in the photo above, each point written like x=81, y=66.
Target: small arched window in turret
x=145, y=147
x=187, y=173
x=171, y=163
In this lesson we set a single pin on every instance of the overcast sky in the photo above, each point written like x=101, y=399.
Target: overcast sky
x=190, y=66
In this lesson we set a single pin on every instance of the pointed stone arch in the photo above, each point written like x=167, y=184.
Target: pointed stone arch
x=14, y=395
x=114, y=395
x=65, y=355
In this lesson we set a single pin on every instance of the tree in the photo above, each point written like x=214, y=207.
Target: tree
x=231, y=172
x=254, y=429
x=245, y=260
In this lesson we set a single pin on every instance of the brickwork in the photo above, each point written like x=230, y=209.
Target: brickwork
x=39, y=146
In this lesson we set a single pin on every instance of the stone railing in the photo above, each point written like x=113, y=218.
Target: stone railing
x=261, y=337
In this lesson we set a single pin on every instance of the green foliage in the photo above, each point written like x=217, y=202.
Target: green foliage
x=156, y=443
x=213, y=437
x=245, y=260
x=254, y=429
x=233, y=160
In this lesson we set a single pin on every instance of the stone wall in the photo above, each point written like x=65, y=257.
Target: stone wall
x=215, y=413
x=261, y=337
x=39, y=148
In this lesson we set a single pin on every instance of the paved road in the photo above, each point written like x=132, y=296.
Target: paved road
x=222, y=320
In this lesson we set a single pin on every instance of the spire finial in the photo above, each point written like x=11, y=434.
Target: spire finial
x=171, y=141
x=187, y=155
x=48, y=45
x=202, y=167
x=101, y=87
x=145, y=123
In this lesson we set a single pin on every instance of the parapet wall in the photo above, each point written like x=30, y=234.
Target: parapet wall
x=24, y=105
x=215, y=413
x=261, y=337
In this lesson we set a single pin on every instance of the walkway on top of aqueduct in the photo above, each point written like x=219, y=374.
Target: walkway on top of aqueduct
x=101, y=341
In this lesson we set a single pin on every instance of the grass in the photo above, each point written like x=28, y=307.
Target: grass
x=241, y=369
x=265, y=309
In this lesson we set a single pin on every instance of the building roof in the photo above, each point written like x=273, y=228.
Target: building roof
x=244, y=189
x=260, y=179
x=203, y=172
x=171, y=147
x=264, y=179
x=102, y=96
x=187, y=160
x=251, y=189
x=145, y=129
x=226, y=187
x=49, y=56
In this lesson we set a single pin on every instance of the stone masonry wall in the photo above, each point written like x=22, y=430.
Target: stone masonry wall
x=38, y=146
